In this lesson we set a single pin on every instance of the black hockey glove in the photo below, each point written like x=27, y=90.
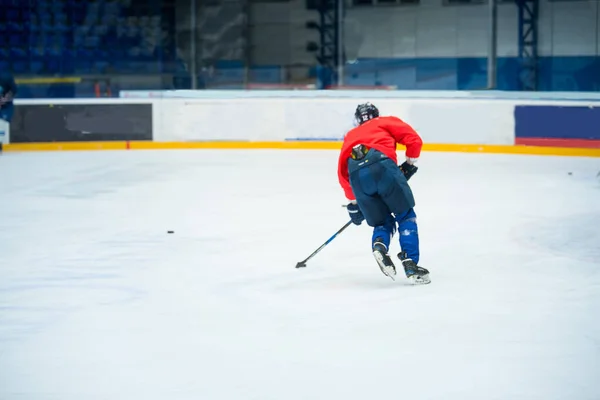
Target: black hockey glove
x=408, y=169
x=356, y=215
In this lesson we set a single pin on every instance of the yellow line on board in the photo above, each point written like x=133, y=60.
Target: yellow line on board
x=45, y=80
x=237, y=145
x=65, y=146
x=513, y=149
x=147, y=145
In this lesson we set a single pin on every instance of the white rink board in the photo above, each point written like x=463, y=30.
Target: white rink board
x=262, y=119
x=440, y=117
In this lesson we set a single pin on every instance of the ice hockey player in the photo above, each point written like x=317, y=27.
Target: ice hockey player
x=377, y=187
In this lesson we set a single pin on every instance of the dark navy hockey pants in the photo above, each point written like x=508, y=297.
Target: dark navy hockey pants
x=386, y=200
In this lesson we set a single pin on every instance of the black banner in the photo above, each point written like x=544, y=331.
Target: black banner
x=81, y=122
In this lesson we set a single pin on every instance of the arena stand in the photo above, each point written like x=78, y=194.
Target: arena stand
x=89, y=40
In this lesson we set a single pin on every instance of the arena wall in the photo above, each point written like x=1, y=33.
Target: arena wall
x=499, y=122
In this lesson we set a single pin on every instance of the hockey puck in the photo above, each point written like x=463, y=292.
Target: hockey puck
x=170, y=231
x=570, y=173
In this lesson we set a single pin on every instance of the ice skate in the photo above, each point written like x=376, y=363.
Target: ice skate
x=383, y=259
x=417, y=275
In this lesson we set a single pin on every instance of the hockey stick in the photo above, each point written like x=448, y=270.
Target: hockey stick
x=302, y=264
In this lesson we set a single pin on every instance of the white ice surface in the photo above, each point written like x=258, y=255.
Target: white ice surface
x=97, y=301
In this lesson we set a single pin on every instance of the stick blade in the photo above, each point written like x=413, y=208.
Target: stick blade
x=301, y=264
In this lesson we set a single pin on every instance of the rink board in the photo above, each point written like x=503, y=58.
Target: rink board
x=291, y=145
x=489, y=122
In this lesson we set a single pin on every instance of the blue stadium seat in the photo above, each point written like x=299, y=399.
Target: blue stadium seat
x=16, y=40
x=67, y=66
x=63, y=27
x=60, y=39
x=83, y=66
x=93, y=41
x=56, y=7
x=70, y=52
x=35, y=27
x=115, y=54
x=20, y=67
x=53, y=36
x=68, y=59
x=37, y=51
x=39, y=39
x=52, y=65
x=99, y=67
x=75, y=4
x=54, y=51
x=101, y=53
x=14, y=27
x=36, y=66
x=77, y=16
x=85, y=54
x=47, y=26
x=64, y=59
x=41, y=8
x=61, y=14
x=13, y=14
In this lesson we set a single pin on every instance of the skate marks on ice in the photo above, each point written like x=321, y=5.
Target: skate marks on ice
x=334, y=284
x=318, y=297
x=575, y=236
x=62, y=280
x=41, y=305
x=31, y=304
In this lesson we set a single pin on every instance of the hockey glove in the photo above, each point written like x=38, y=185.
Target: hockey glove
x=408, y=169
x=356, y=215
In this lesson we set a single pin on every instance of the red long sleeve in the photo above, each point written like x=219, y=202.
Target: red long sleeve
x=382, y=134
x=404, y=134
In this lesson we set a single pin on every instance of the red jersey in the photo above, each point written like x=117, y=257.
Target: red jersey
x=382, y=134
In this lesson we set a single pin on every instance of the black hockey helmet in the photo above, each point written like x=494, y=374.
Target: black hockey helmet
x=365, y=112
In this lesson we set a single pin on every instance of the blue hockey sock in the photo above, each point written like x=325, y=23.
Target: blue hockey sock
x=409, y=234
x=385, y=232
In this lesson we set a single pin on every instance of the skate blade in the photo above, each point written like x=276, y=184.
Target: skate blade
x=419, y=280
x=387, y=270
